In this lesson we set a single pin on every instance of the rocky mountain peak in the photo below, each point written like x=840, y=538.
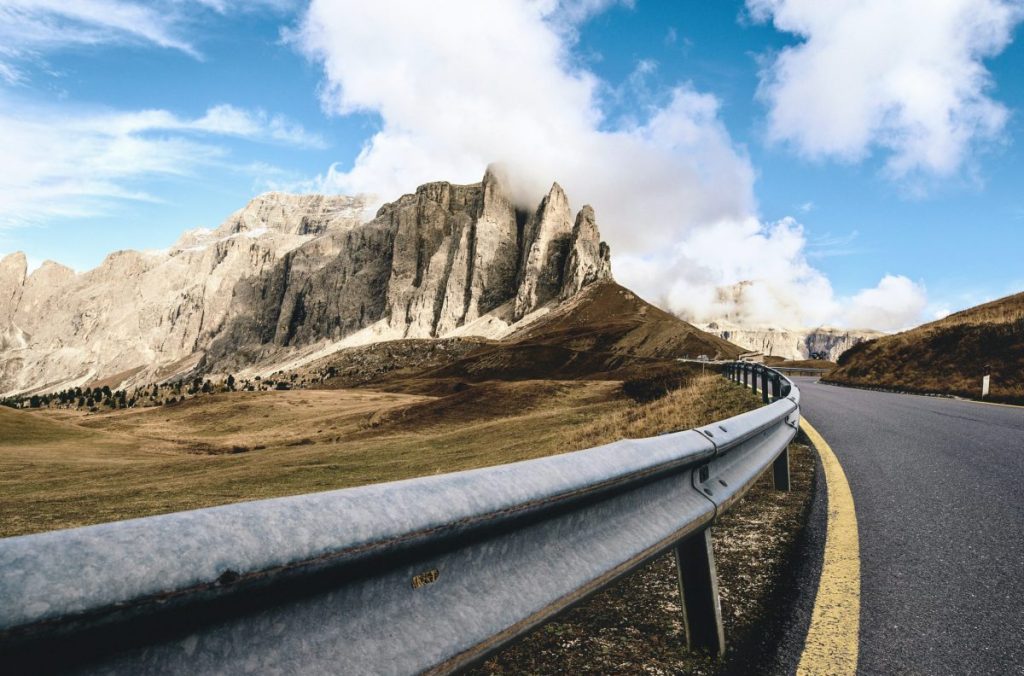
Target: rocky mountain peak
x=547, y=238
x=589, y=258
x=13, y=271
x=288, y=274
x=290, y=214
x=14, y=265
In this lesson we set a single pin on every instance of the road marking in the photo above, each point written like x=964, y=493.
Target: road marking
x=833, y=639
x=988, y=403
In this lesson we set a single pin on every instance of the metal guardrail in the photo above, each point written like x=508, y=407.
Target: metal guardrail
x=428, y=575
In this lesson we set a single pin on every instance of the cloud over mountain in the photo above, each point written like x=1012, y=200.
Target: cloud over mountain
x=457, y=85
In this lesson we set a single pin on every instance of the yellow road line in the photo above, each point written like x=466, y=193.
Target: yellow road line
x=834, y=636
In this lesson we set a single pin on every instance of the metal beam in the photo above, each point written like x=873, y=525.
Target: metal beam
x=698, y=587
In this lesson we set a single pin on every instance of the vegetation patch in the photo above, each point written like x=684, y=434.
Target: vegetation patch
x=61, y=468
x=949, y=356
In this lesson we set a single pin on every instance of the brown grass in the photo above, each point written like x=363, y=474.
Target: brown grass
x=60, y=470
x=949, y=356
x=692, y=405
x=805, y=363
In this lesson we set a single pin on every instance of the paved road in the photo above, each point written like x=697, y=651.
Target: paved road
x=939, y=492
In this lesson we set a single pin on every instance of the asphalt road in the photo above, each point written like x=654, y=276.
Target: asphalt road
x=938, y=486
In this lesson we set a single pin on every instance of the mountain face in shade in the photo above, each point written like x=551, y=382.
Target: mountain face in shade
x=293, y=273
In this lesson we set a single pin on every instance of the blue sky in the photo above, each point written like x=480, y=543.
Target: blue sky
x=856, y=204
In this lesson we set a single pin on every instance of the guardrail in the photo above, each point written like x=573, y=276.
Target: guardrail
x=429, y=575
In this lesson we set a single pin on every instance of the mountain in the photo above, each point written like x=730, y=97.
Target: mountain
x=605, y=332
x=293, y=275
x=948, y=356
x=793, y=344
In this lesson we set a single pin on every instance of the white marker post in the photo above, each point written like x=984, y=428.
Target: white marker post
x=985, y=380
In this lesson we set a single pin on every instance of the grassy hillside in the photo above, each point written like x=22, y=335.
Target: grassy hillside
x=799, y=363
x=607, y=332
x=231, y=447
x=948, y=356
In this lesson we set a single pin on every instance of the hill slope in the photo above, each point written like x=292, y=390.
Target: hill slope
x=606, y=332
x=948, y=356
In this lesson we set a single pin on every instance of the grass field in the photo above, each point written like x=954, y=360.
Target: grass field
x=62, y=469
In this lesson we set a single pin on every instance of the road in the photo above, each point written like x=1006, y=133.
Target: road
x=938, y=486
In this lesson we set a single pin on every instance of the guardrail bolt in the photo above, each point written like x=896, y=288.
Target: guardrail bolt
x=780, y=470
x=698, y=587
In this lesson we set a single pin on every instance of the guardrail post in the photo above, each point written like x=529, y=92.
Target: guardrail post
x=780, y=470
x=764, y=385
x=698, y=586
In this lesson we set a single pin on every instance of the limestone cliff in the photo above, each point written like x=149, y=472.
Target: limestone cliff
x=793, y=344
x=289, y=272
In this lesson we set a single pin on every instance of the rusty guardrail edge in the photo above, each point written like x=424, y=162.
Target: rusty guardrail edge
x=418, y=575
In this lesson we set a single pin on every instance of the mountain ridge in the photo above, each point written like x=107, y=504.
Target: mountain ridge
x=291, y=272
x=792, y=343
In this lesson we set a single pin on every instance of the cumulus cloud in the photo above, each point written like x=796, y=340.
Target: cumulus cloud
x=458, y=85
x=748, y=273
x=896, y=303
x=903, y=76
x=64, y=162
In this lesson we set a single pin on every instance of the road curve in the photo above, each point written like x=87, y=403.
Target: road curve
x=938, y=486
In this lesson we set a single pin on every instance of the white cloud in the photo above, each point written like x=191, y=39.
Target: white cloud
x=228, y=120
x=225, y=6
x=41, y=25
x=460, y=84
x=10, y=74
x=746, y=272
x=73, y=162
x=896, y=303
x=30, y=29
x=903, y=76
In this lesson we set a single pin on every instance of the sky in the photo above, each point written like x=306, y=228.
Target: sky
x=856, y=163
